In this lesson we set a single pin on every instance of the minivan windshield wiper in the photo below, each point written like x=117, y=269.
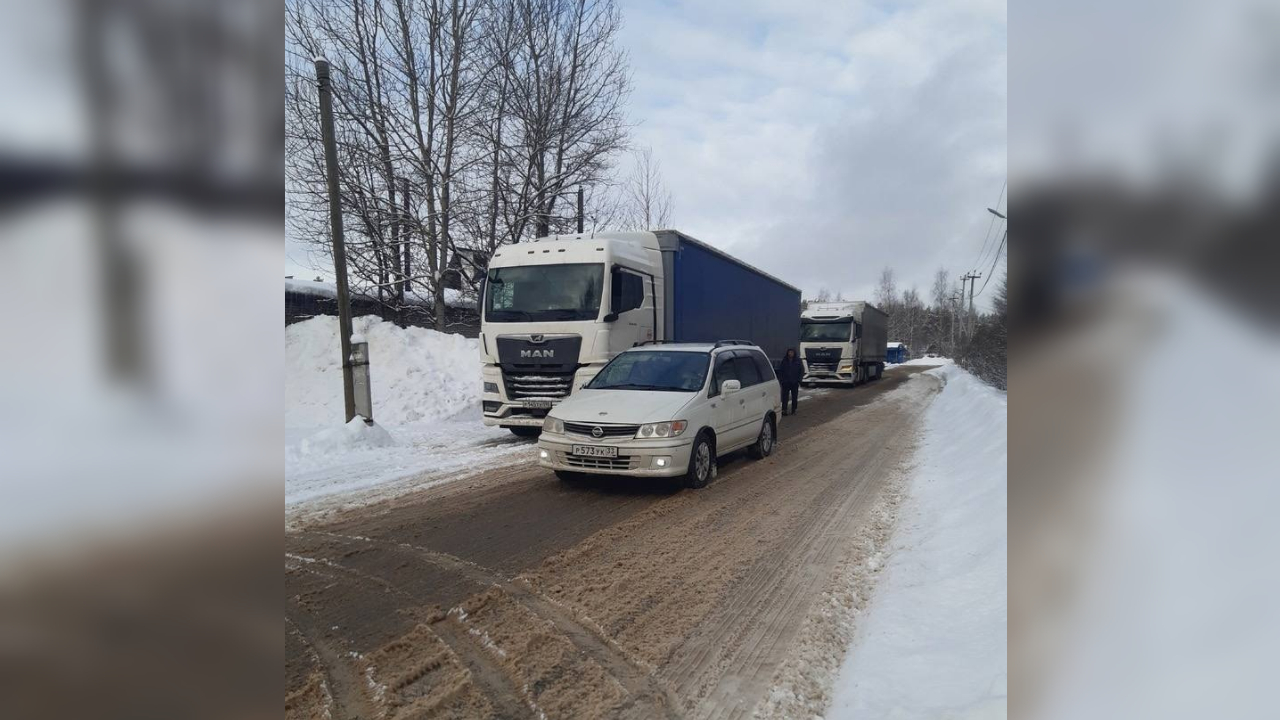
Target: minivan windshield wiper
x=635, y=386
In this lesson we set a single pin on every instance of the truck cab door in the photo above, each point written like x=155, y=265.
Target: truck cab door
x=631, y=302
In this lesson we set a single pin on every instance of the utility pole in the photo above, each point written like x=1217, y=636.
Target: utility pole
x=339, y=244
x=968, y=320
x=579, y=209
x=955, y=316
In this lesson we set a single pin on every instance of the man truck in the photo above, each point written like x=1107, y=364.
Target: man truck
x=843, y=343
x=556, y=309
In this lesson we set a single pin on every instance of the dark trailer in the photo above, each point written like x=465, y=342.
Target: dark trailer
x=713, y=296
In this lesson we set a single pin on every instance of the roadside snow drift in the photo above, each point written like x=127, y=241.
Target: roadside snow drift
x=933, y=641
x=426, y=401
x=417, y=374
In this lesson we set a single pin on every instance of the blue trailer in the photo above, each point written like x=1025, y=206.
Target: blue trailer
x=897, y=352
x=712, y=296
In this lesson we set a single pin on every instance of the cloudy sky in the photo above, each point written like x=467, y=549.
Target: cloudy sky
x=823, y=141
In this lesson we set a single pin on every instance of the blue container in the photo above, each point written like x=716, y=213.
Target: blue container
x=712, y=296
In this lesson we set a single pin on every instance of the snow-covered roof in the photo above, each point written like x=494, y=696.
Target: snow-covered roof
x=452, y=297
x=897, y=344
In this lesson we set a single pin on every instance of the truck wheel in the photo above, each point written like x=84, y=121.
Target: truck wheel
x=764, y=441
x=524, y=431
x=702, y=463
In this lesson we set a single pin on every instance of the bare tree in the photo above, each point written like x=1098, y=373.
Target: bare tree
x=887, y=290
x=941, y=287
x=461, y=124
x=567, y=85
x=647, y=199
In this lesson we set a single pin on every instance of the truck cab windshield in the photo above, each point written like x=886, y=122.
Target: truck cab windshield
x=824, y=331
x=534, y=293
x=673, y=371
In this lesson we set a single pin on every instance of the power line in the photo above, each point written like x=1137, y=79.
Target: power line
x=986, y=240
x=993, y=262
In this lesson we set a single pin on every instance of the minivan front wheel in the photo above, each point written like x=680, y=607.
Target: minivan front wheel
x=765, y=441
x=702, y=463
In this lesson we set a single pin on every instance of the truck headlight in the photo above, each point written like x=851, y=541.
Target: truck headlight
x=846, y=365
x=662, y=429
x=491, y=387
x=553, y=425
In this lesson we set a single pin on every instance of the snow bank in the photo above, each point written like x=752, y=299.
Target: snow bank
x=417, y=374
x=355, y=435
x=426, y=400
x=933, y=642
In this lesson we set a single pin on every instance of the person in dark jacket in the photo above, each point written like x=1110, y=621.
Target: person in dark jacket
x=790, y=371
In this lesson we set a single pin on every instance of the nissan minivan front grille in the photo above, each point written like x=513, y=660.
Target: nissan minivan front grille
x=606, y=431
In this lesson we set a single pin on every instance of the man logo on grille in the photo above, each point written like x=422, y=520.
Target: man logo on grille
x=597, y=432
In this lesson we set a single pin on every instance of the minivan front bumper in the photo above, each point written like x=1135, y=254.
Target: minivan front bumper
x=636, y=458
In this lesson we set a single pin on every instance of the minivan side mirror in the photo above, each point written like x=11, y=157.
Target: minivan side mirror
x=729, y=387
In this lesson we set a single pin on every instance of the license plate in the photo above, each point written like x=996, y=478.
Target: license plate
x=538, y=404
x=595, y=451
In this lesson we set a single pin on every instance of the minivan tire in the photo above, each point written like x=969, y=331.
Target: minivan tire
x=765, y=441
x=702, y=463
x=525, y=431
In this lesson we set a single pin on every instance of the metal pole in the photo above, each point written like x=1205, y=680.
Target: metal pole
x=339, y=245
x=579, y=209
x=407, y=234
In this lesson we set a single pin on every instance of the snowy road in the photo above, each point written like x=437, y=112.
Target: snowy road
x=509, y=594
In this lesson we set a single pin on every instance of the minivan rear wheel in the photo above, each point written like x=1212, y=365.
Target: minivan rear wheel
x=702, y=463
x=765, y=441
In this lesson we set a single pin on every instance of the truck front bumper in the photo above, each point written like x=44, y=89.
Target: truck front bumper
x=829, y=378
x=500, y=411
x=503, y=414
x=636, y=458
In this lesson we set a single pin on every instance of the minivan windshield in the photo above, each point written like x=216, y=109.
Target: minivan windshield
x=824, y=331
x=666, y=370
x=533, y=293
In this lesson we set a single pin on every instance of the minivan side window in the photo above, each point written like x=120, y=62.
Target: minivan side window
x=763, y=365
x=725, y=370
x=747, y=371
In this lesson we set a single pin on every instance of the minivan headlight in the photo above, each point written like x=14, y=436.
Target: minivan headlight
x=662, y=429
x=553, y=425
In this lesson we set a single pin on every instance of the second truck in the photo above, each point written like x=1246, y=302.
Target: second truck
x=556, y=309
x=843, y=343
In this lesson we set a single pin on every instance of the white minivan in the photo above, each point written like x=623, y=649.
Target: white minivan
x=666, y=410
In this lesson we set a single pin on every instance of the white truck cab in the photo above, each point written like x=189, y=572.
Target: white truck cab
x=555, y=310
x=842, y=343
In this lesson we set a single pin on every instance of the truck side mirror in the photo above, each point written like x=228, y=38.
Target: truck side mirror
x=611, y=317
x=729, y=387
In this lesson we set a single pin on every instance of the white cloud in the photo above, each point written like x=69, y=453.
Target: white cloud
x=824, y=142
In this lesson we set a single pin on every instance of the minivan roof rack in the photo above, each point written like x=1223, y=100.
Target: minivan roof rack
x=722, y=343
x=651, y=342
